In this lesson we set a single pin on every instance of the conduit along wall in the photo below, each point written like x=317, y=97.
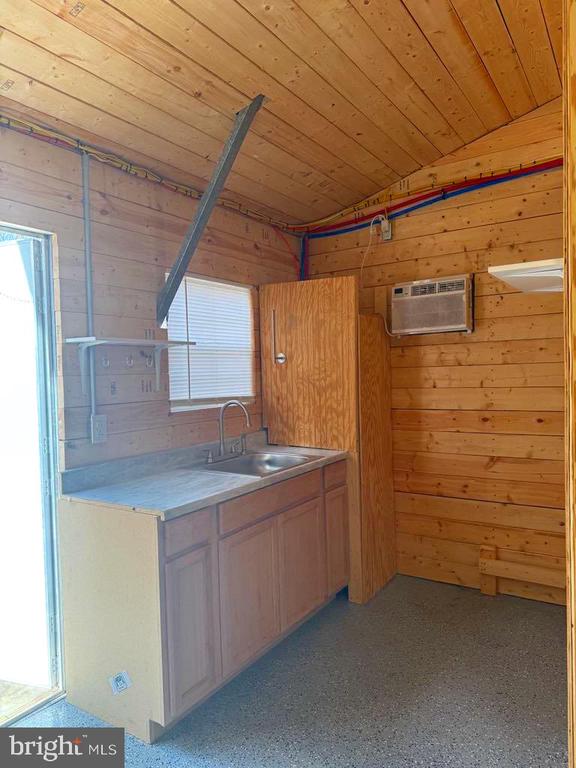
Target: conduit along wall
x=478, y=422
x=137, y=228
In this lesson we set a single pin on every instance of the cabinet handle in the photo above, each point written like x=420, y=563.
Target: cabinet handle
x=279, y=357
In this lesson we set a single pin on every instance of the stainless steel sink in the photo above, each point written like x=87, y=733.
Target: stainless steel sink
x=258, y=464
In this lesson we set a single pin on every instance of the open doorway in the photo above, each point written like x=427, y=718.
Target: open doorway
x=29, y=642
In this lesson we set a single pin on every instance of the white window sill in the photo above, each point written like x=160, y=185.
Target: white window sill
x=208, y=406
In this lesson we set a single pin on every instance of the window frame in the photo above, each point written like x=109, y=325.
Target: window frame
x=214, y=403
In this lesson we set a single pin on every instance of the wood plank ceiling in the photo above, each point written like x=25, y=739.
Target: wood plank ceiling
x=360, y=92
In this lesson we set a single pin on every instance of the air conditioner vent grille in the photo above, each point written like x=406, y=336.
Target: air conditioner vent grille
x=450, y=286
x=423, y=290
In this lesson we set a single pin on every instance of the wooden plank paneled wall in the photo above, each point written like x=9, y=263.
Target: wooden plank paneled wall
x=478, y=423
x=569, y=99
x=137, y=228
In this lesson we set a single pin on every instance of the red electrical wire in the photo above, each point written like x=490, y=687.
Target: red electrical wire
x=61, y=140
x=287, y=244
x=547, y=165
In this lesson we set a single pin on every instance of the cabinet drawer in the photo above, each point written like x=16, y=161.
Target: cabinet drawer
x=247, y=509
x=189, y=531
x=335, y=475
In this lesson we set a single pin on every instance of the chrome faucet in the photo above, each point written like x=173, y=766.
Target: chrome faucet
x=229, y=404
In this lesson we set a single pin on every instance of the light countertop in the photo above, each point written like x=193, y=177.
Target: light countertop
x=174, y=492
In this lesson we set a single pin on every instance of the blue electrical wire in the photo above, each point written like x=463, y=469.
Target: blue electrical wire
x=423, y=204
x=303, y=255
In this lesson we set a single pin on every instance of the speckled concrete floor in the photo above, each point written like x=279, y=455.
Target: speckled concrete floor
x=427, y=675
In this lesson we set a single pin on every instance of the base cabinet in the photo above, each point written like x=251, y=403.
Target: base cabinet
x=250, y=617
x=302, y=561
x=192, y=627
x=184, y=605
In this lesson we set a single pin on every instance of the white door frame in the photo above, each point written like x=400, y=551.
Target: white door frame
x=41, y=246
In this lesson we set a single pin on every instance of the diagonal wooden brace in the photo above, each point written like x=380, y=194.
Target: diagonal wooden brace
x=207, y=202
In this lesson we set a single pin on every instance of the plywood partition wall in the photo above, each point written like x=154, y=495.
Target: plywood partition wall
x=377, y=534
x=326, y=384
x=478, y=419
x=137, y=229
x=311, y=398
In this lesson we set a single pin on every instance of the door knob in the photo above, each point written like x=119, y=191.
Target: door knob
x=280, y=358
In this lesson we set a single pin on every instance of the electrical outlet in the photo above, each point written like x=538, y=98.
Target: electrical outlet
x=120, y=682
x=385, y=229
x=99, y=428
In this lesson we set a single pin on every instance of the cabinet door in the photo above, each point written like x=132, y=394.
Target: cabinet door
x=302, y=561
x=192, y=627
x=250, y=617
x=337, y=540
x=309, y=362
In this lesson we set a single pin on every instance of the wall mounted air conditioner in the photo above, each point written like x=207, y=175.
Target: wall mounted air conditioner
x=432, y=306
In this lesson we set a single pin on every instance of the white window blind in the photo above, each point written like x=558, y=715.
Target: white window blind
x=219, y=318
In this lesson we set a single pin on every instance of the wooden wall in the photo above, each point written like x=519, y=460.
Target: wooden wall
x=569, y=99
x=137, y=229
x=478, y=420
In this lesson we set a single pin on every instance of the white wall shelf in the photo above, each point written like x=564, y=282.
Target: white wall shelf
x=545, y=276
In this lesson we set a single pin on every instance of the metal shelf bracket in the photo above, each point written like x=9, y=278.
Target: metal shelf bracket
x=85, y=343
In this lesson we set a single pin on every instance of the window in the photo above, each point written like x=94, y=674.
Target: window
x=219, y=318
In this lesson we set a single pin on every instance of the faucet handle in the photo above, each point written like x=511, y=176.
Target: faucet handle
x=239, y=445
